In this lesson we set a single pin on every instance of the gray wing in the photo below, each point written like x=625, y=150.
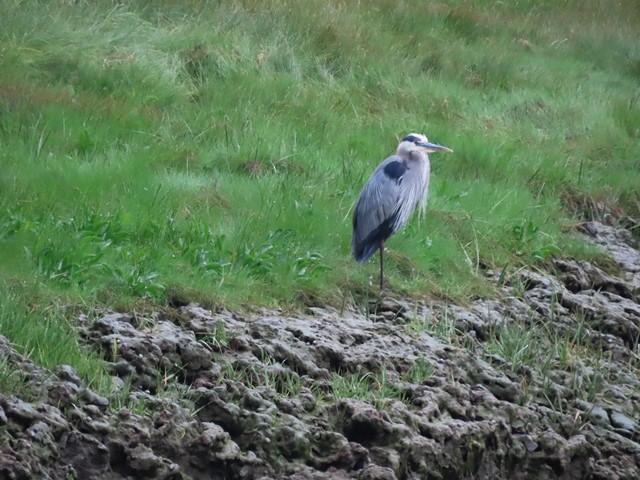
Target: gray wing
x=385, y=204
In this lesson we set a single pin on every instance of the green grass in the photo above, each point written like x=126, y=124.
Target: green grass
x=45, y=336
x=268, y=373
x=420, y=371
x=217, y=149
x=372, y=387
x=541, y=348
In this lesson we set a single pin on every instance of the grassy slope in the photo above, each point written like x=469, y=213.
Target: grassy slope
x=156, y=150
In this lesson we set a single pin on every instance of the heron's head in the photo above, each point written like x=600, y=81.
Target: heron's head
x=418, y=142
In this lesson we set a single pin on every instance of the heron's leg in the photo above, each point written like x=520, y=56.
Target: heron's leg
x=382, y=265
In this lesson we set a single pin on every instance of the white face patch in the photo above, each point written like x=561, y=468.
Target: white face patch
x=409, y=143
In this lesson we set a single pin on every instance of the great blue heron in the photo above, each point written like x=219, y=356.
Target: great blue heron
x=392, y=193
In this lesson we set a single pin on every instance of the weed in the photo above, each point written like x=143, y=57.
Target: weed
x=136, y=281
x=123, y=397
x=284, y=381
x=219, y=339
x=12, y=380
x=248, y=375
x=527, y=237
x=309, y=264
x=519, y=345
x=441, y=326
x=371, y=387
x=267, y=373
x=351, y=386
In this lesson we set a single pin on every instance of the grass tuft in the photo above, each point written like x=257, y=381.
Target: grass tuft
x=45, y=337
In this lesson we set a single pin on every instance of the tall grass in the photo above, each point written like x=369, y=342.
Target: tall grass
x=42, y=332
x=217, y=149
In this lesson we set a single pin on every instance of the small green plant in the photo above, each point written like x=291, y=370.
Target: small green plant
x=443, y=326
x=123, y=397
x=309, y=264
x=517, y=344
x=137, y=281
x=206, y=252
x=527, y=240
x=11, y=224
x=268, y=373
x=420, y=371
x=12, y=380
x=220, y=337
x=114, y=350
x=351, y=386
x=384, y=390
x=284, y=381
x=70, y=264
x=570, y=347
x=371, y=387
x=526, y=392
x=259, y=260
x=593, y=384
x=245, y=374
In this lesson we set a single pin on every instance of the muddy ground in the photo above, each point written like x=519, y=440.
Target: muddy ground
x=540, y=383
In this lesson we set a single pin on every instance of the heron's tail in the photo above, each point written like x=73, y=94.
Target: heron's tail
x=363, y=248
x=362, y=251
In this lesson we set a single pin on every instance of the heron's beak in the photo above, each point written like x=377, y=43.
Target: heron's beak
x=432, y=147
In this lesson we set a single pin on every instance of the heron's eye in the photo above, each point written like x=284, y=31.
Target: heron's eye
x=416, y=142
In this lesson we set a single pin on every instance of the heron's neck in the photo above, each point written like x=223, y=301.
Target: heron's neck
x=417, y=155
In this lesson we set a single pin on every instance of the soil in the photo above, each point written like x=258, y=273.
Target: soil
x=541, y=383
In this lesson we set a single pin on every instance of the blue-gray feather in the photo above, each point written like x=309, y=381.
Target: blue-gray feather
x=386, y=202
